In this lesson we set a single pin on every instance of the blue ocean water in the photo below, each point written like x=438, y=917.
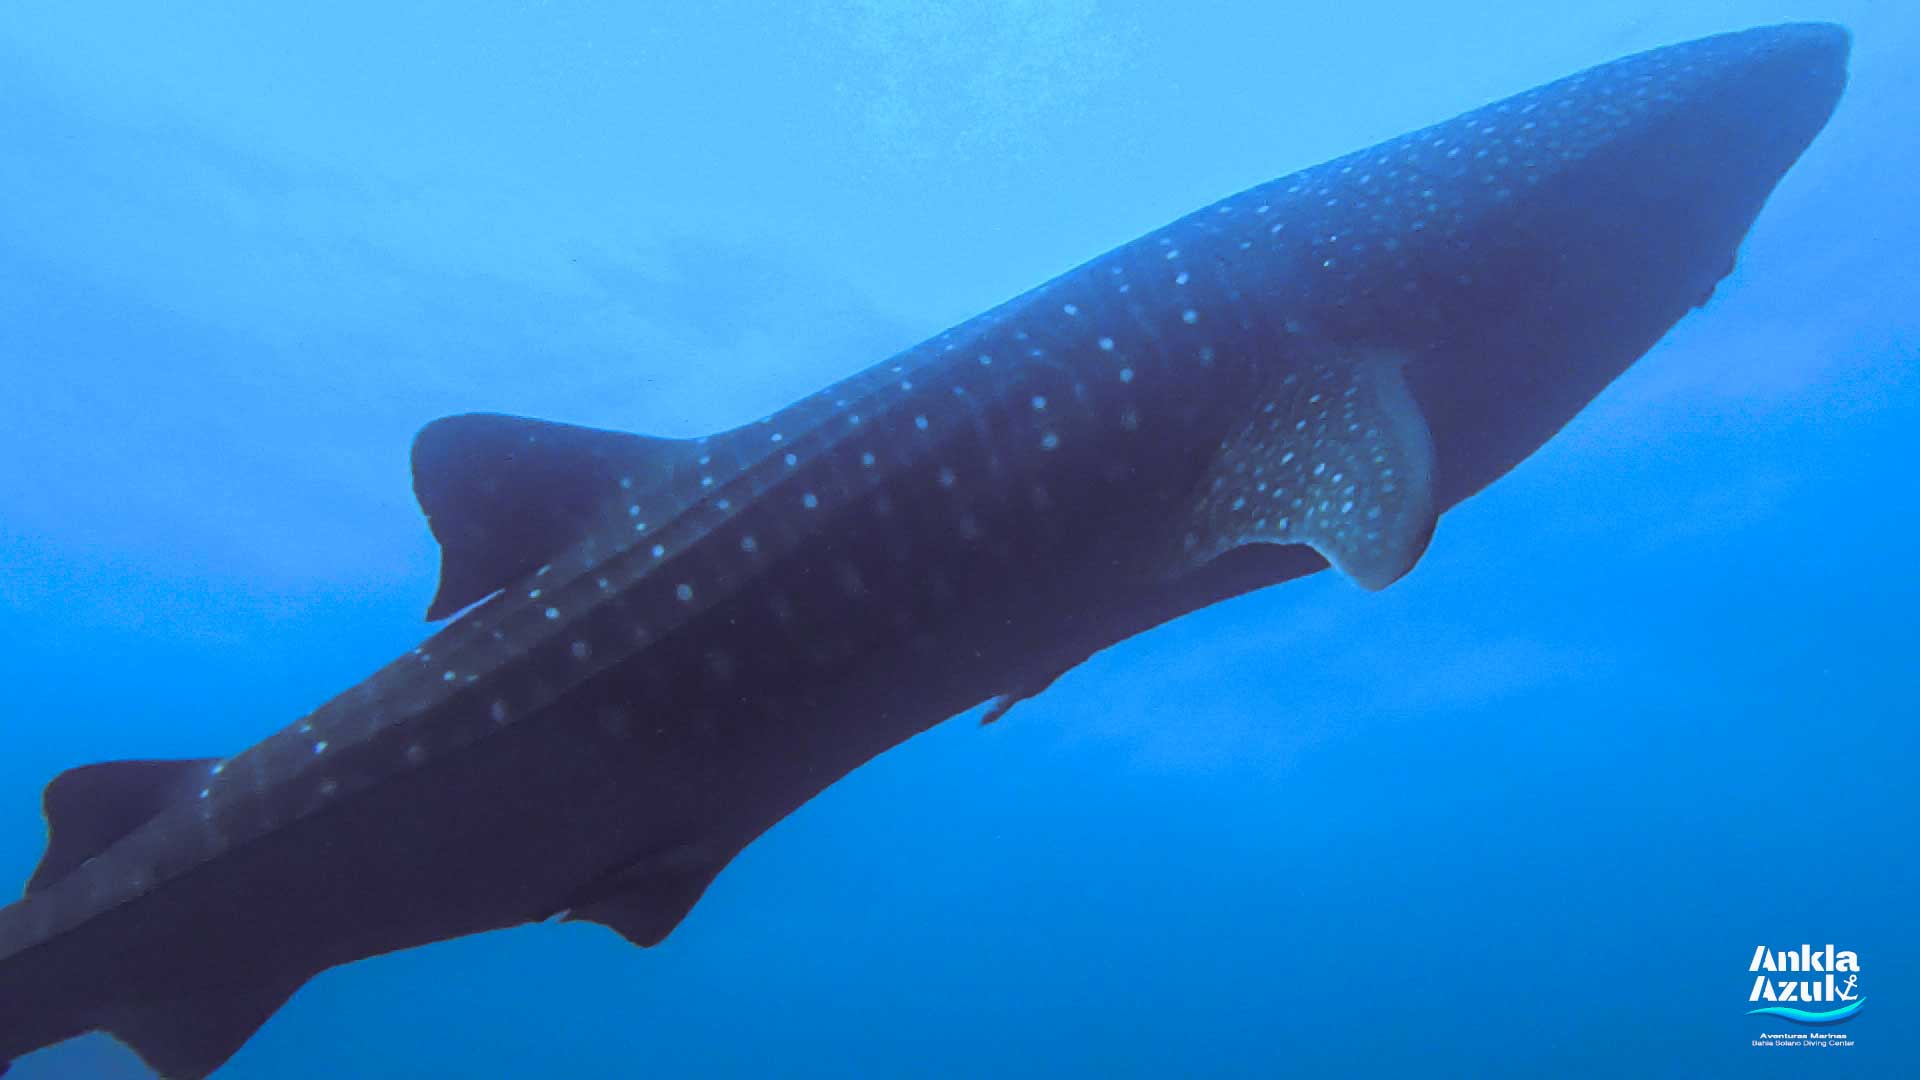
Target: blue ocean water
x=1644, y=706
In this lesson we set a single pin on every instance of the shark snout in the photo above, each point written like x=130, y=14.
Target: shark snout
x=1818, y=44
x=1813, y=56
x=1736, y=112
x=1791, y=77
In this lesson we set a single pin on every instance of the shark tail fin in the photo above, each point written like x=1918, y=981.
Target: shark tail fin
x=91, y=807
x=189, y=1036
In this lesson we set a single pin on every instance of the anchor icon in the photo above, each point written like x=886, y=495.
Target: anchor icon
x=1846, y=993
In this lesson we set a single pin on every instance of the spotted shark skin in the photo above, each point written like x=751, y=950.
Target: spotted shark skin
x=670, y=645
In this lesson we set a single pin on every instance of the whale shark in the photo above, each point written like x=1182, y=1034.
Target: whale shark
x=658, y=648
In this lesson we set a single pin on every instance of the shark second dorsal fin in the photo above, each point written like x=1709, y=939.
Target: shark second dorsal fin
x=1336, y=456
x=91, y=807
x=504, y=494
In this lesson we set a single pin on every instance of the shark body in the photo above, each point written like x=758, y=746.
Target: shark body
x=673, y=644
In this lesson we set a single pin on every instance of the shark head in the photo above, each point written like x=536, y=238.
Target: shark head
x=1420, y=316
x=1664, y=160
x=1520, y=257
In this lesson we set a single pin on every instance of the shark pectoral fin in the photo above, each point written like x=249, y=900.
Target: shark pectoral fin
x=187, y=1037
x=1337, y=457
x=644, y=901
x=504, y=494
x=90, y=807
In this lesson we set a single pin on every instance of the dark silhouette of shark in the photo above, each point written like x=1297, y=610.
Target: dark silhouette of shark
x=675, y=643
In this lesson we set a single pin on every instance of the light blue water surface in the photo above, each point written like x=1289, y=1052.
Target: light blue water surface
x=1646, y=705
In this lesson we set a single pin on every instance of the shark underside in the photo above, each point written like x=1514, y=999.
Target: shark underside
x=663, y=646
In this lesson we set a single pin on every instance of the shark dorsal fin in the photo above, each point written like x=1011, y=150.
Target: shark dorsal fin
x=90, y=807
x=504, y=494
